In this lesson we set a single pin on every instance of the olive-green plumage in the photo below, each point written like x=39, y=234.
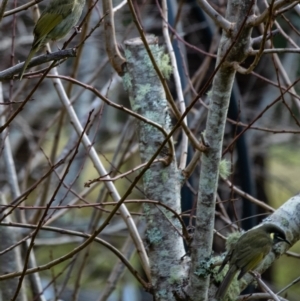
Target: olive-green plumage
x=55, y=22
x=250, y=249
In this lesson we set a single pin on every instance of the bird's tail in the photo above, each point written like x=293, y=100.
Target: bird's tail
x=29, y=57
x=222, y=290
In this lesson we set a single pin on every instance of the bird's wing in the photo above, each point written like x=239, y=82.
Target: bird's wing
x=247, y=257
x=50, y=18
x=242, y=253
x=221, y=292
x=65, y=7
x=225, y=261
x=45, y=24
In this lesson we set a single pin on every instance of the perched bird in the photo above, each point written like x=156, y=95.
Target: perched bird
x=55, y=22
x=250, y=249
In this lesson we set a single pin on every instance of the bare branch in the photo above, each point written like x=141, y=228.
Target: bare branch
x=116, y=59
x=215, y=16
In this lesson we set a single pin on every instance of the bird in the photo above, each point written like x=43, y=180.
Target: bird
x=55, y=22
x=250, y=249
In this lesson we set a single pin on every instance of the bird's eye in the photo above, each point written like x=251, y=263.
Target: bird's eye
x=275, y=236
x=280, y=238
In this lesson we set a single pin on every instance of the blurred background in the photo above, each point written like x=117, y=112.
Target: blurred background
x=265, y=159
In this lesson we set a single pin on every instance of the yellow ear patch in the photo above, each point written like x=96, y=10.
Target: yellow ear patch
x=272, y=236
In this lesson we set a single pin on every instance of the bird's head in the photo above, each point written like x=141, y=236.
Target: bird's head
x=279, y=237
x=276, y=233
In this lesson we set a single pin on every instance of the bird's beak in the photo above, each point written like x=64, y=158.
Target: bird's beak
x=282, y=240
x=287, y=242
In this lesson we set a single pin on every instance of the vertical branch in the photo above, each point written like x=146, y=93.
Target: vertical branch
x=161, y=183
x=2, y=8
x=233, y=47
x=102, y=171
x=115, y=58
x=34, y=279
x=184, y=142
x=10, y=261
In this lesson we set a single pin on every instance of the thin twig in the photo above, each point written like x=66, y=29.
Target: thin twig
x=21, y=7
x=102, y=171
x=184, y=138
x=249, y=197
x=262, y=284
x=69, y=255
x=215, y=16
x=116, y=59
